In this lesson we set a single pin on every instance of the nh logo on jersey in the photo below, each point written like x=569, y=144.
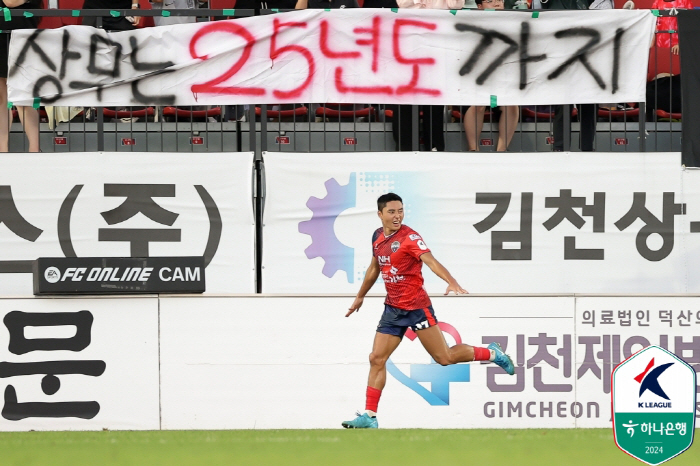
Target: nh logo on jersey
x=384, y=260
x=650, y=382
x=646, y=425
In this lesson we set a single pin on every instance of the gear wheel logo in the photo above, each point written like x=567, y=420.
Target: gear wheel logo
x=324, y=243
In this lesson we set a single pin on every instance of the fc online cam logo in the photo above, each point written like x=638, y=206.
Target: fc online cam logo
x=362, y=191
x=654, y=404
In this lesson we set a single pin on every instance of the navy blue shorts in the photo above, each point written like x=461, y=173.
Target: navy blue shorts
x=396, y=321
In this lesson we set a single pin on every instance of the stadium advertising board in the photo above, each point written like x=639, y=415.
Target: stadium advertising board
x=306, y=364
x=377, y=55
x=501, y=223
x=79, y=364
x=127, y=205
x=118, y=275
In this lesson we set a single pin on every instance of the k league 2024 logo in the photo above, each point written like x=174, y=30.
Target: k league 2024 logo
x=653, y=404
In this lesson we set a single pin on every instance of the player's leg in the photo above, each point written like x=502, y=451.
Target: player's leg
x=384, y=346
x=392, y=327
x=434, y=342
x=426, y=327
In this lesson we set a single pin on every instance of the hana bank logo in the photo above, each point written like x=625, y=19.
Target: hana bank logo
x=364, y=185
x=649, y=380
x=438, y=376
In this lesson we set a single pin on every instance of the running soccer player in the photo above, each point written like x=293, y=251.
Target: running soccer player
x=399, y=254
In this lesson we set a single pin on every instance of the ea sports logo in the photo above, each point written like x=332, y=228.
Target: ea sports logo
x=52, y=275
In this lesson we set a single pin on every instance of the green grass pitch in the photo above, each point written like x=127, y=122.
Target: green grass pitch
x=405, y=447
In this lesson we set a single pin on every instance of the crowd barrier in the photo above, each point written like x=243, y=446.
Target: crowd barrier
x=328, y=127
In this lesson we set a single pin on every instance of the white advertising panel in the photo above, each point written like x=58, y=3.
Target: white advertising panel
x=353, y=55
x=297, y=362
x=500, y=223
x=128, y=205
x=611, y=329
x=79, y=364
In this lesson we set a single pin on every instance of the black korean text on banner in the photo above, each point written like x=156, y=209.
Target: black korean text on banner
x=573, y=209
x=15, y=408
x=138, y=198
x=380, y=55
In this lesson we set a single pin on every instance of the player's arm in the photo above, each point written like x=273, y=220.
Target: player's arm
x=370, y=279
x=440, y=270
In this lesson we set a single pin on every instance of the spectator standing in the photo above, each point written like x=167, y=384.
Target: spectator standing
x=27, y=115
x=433, y=115
x=669, y=23
x=587, y=113
x=173, y=5
x=110, y=23
x=474, y=117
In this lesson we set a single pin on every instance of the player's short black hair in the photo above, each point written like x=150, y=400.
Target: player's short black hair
x=385, y=198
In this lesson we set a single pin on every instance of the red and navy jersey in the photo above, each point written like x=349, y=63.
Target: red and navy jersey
x=399, y=262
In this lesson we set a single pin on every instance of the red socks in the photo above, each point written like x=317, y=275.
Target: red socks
x=373, y=395
x=481, y=354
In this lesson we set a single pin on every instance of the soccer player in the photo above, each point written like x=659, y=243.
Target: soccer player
x=399, y=254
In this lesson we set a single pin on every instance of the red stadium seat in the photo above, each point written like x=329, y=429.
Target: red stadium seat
x=631, y=114
x=182, y=114
x=116, y=114
x=662, y=114
x=298, y=113
x=335, y=113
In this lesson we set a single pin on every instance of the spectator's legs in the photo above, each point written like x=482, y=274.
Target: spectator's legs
x=506, y=126
x=473, y=123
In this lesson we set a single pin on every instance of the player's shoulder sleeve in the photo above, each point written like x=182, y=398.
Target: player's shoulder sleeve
x=414, y=244
x=376, y=234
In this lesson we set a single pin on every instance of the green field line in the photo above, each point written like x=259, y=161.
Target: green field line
x=405, y=447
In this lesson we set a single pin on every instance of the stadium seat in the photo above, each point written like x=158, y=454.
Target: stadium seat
x=294, y=114
x=118, y=114
x=339, y=113
x=664, y=115
x=628, y=114
x=182, y=114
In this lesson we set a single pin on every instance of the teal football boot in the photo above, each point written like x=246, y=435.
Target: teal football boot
x=362, y=421
x=502, y=359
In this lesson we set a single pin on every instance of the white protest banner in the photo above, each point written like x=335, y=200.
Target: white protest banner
x=501, y=223
x=128, y=205
x=356, y=55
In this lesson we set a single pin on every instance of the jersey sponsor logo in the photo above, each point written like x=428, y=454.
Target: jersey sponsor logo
x=393, y=270
x=395, y=246
x=392, y=278
x=384, y=260
x=422, y=245
x=414, y=237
